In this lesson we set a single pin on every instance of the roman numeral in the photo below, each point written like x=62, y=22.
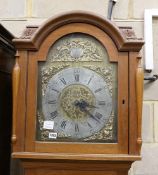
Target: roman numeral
x=94, y=118
x=98, y=90
x=77, y=76
x=54, y=114
x=55, y=90
x=52, y=102
x=101, y=103
x=63, y=124
x=76, y=128
x=89, y=125
x=90, y=80
x=98, y=115
x=63, y=81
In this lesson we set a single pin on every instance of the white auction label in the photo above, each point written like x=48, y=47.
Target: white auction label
x=52, y=135
x=48, y=124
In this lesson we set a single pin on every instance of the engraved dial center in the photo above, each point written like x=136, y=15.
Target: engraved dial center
x=72, y=94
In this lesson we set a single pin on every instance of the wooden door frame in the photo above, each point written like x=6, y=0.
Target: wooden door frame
x=122, y=58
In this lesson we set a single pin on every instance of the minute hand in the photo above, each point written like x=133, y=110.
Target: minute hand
x=91, y=106
x=92, y=116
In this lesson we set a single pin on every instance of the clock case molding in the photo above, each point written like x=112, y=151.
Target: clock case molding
x=123, y=47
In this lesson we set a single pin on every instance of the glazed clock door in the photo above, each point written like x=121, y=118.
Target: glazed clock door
x=81, y=94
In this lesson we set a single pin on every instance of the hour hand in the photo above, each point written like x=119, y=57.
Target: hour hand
x=87, y=104
x=82, y=106
x=92, y=106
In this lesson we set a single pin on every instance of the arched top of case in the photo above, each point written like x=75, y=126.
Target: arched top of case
x=123, y=37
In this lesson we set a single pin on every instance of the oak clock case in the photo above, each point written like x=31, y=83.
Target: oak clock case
x=77, y=97
x=77, y=92
x=74, y=104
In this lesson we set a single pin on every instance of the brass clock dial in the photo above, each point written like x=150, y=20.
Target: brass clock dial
x=77, y=92
x=78, y=101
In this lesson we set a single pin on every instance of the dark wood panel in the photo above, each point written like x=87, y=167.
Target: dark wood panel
x=6, y=65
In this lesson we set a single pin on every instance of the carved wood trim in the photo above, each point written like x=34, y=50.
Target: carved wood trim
x=123, y=38
x=139, y=93
x=29, y=32
x=133, y=118
x=16, y=77
x=64, y=156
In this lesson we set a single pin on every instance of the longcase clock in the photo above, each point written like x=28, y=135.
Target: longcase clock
x=77, y=97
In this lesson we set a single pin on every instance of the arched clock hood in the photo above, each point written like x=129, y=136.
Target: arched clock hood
x=123, y=37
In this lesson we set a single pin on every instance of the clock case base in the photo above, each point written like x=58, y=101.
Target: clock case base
x=72, y=164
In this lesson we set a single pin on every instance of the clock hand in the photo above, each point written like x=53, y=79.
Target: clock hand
x=91, y=106
x=82, y=106
x=77, y=104
x=92, y=116
x=88, y=105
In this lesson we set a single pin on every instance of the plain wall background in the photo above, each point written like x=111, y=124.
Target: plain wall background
x=16, y=14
